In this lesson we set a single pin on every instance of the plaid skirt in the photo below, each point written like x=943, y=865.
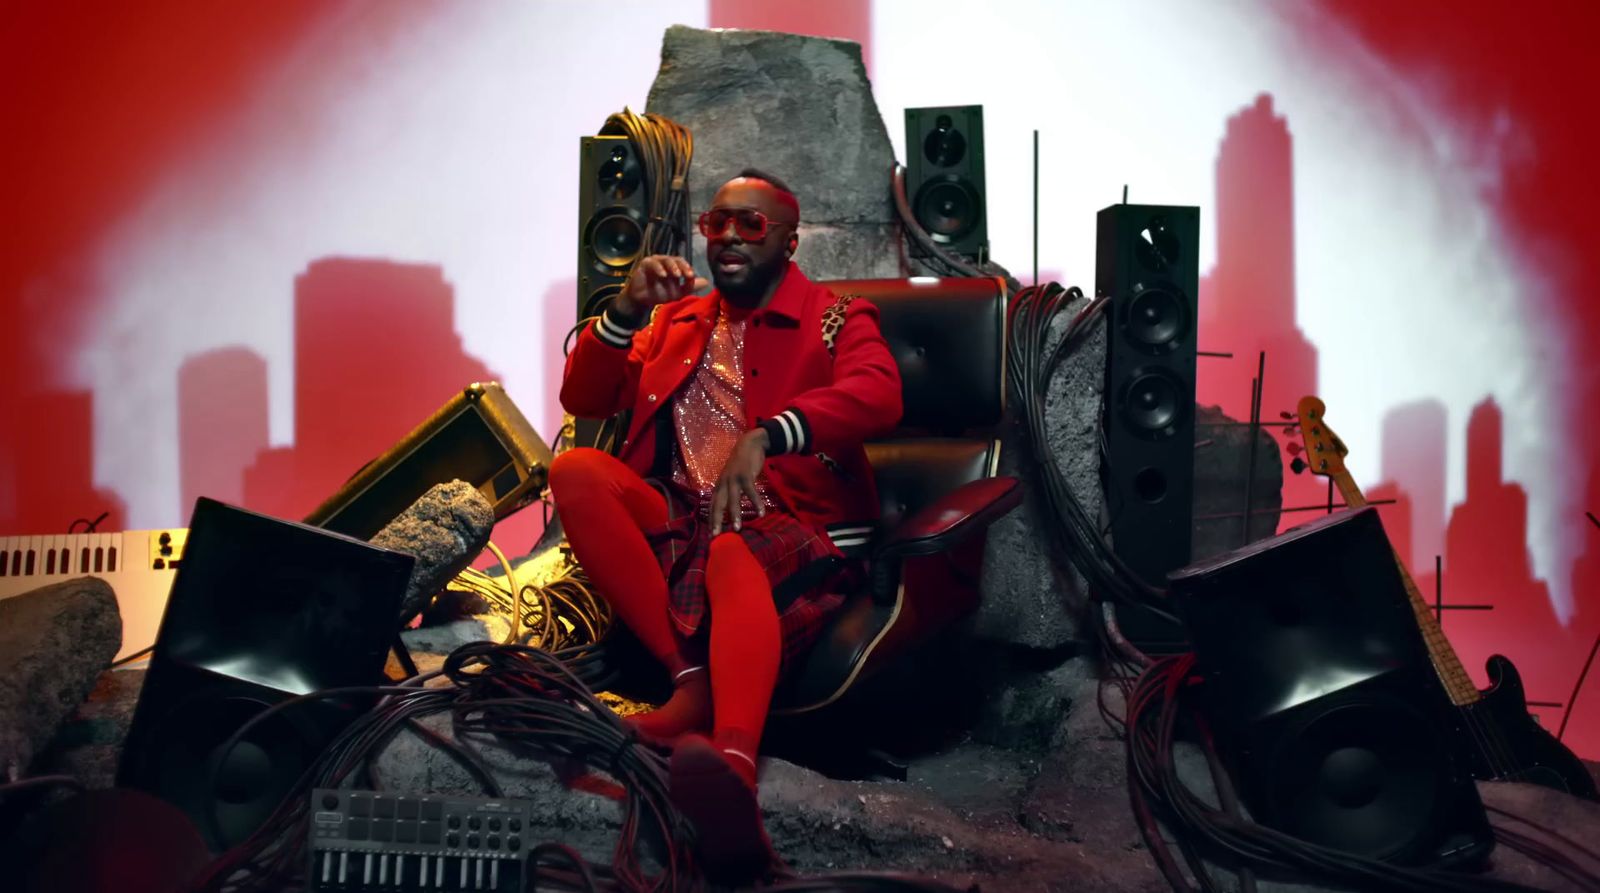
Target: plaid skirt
x=808, y=574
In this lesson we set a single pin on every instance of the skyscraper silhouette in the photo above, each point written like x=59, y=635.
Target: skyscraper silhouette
x=1247, y=301
x=1414, y=457
x=1487, y=562
x=376, y=352
x=222, y=423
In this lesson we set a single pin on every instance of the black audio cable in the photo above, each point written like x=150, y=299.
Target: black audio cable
x=665, y=149
x=1032, y=321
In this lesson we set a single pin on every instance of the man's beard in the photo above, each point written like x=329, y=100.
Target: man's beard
x=749, y=289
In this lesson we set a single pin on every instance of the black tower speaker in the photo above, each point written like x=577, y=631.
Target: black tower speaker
x=944, y=177
x=613, y=208
x=1323, y=699
x=1146, y=264
x=260, y=610
x=612, y=211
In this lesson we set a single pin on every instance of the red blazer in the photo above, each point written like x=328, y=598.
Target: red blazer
x=817, y=405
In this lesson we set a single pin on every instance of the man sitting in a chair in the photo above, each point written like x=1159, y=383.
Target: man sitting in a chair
x=744, y=453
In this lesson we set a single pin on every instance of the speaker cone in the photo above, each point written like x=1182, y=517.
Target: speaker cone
x=616, y=239
x=1152, y=403
x=253, y=778
x=947, y=208
x=1363, y=778
x=601, y=298
x=944, y=146
x=619, y=175
x=1156, y=319
x=1157, y=247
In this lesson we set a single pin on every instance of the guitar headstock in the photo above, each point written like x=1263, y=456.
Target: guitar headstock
x=1325, y=452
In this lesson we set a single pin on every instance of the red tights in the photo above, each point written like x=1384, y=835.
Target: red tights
x=605, y=508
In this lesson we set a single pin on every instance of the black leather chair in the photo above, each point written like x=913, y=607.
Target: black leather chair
x=935, y=476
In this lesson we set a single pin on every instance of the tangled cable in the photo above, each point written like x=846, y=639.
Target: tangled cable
x=1033, y=361
x=665, y=149
x=549, y=597
x=538, y=702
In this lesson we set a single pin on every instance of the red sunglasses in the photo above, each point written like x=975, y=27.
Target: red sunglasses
x=750, y=226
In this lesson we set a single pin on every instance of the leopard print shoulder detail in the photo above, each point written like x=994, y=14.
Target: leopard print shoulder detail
x=833, y=320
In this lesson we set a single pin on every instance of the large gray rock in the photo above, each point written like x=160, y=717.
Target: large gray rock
x=801, y=109
x=444, y=530
x=1221, y=457
x=1030, y=598
x=88, y=746
x=54, y=642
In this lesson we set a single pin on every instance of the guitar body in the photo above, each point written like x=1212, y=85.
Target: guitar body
x=1524, y=750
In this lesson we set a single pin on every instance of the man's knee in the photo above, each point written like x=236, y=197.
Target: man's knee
x=726, y=548
x=576, y=470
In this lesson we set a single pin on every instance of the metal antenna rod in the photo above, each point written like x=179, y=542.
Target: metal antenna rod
x=1438, y=590
x=1256, y=389
x=1035, y=207
x=1574, y=698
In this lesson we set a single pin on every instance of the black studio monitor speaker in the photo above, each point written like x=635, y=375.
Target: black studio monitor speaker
x=1146, y=264
x=613, y=208
x=944, y=177
x=261, y=610
x=612, y=211
x=1322, y=697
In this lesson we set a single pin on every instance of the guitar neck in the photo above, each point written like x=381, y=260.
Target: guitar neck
x=1445, y=662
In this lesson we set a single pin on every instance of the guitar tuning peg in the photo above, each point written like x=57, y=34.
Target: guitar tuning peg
x=1293, y=448
x=1298, y=466
x=1287, y=417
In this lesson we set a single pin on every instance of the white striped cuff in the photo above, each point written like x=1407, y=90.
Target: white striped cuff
x=850, y=537
x=789, y=432
x=615, y=329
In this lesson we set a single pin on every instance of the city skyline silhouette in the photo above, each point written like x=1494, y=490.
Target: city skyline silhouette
x=375, y=353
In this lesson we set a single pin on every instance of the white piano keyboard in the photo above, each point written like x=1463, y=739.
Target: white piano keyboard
x=138, y=564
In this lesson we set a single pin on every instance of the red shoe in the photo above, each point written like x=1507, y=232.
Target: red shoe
x=708, y=789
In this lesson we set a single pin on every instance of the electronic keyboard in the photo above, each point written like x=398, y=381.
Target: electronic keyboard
x=363, y=841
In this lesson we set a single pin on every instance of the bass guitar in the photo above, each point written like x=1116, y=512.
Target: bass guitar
x=1509, y=744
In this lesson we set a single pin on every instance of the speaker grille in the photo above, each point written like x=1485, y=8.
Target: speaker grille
x=1154, y=402
x=948, y=208
x=1362, y=777
x=615, y=239
x=1157, y=319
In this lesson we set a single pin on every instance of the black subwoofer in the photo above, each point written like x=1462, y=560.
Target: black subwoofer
x=1146, y=266
x=261, y=610
x=1322, y=697
x=944, y=177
